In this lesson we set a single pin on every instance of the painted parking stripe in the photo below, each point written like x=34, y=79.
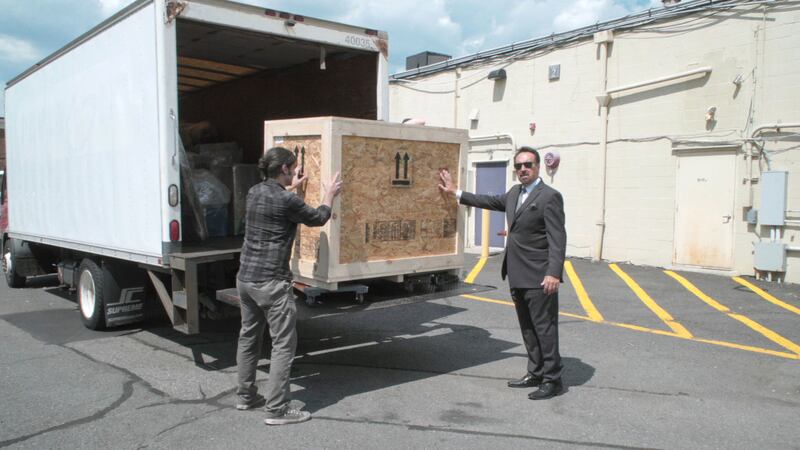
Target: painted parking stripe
x=475, y=270
x=766, y=296
x=662, y=314
x=766, y=332
x=583, y=296
x=487, y=300
x=749, y=348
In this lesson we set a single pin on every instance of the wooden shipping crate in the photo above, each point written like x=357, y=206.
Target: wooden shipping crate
x=390, y=220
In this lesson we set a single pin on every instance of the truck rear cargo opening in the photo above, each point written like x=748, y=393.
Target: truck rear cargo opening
x=230, y=81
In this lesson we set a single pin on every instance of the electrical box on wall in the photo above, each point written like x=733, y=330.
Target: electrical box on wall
x=752, y=216
x=773, y=198
x=770, y=257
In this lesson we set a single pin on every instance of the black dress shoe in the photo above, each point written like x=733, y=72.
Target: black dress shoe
x=548, y=389
x=527, y=381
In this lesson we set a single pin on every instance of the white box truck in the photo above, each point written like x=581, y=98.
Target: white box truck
x=94, y=183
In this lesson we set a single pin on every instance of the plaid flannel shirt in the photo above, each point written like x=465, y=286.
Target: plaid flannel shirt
x=270, y=227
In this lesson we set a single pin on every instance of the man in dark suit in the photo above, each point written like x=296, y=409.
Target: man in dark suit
x=533, y=260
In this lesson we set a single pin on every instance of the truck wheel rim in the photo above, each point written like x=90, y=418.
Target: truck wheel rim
x=87, y=297
x=7, y=262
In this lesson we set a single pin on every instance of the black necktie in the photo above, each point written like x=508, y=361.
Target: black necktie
x=521, y=198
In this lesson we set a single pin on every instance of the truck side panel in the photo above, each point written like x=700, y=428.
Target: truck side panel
x=83, y=144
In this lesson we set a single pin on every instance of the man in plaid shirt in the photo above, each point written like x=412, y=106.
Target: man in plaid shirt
x=264, y=281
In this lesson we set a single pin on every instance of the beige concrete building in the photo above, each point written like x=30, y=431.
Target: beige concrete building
x=677, y=129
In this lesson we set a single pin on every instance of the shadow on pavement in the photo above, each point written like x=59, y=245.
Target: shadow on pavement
x=342, y=356
x=344, y=349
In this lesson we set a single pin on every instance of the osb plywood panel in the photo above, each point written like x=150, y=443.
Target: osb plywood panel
x=309, y=151
x=391, y=206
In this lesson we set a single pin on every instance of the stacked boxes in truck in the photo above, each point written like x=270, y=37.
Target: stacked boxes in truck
x=94, y=180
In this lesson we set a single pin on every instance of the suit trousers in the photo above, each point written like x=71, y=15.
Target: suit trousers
x=538, y=320
x=270, y=303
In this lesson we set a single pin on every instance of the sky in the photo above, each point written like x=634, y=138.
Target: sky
x=32, y=29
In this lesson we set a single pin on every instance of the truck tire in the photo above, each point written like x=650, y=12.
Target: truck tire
x=90, y=295
x=13, y=279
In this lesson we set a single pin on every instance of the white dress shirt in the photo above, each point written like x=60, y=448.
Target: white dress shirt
x=525, y=190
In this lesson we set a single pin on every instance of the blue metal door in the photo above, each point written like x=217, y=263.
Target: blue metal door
x=490, y=179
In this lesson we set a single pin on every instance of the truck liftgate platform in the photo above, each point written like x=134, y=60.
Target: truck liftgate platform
x=187, y=264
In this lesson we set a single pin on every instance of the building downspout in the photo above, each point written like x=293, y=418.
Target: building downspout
x=456, y=96
x=604, y=39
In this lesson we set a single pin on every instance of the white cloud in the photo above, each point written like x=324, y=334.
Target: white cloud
x=585, y=12
x=111, y=6
x=446, y=22
x=424, y=18
x=473, y=45
x=17, y=50
x=459, y=27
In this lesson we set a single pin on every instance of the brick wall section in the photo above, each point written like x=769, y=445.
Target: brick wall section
x=239, y=108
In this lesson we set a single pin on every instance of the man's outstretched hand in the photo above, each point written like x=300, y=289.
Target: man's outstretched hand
x=298, y=179
x=446, y=184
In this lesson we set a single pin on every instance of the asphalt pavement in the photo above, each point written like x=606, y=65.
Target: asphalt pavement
x=654, y=359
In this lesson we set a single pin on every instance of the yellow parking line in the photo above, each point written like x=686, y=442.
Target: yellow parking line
x=653, y=331
x=766, y=332
x=488, y=300
x=749, y=348
x=645, y=329
x=503, y=302
x=647, y=300
x=766, y=296
x=575, y=316
x=580, y=291
x=475, y=270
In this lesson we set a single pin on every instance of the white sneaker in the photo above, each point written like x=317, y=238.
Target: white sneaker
x=288, y=417
x=254, y=402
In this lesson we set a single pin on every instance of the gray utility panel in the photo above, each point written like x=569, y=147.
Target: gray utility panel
x=770, y=257
x=773, y=198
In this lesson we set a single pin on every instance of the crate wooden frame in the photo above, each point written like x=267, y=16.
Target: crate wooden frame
x=326, y=271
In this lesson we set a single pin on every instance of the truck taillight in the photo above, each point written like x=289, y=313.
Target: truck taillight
x=174, y=231
x=172, y=193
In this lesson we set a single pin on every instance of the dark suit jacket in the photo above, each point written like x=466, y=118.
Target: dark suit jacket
x=537, y=240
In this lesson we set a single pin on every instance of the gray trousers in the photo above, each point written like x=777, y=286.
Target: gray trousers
x=268, y=303
x=538, y=320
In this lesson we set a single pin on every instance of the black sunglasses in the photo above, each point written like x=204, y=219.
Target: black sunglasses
x=527, y=165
